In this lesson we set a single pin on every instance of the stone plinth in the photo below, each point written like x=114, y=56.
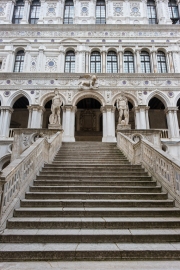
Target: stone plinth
x=123, y=127
x=54, y=126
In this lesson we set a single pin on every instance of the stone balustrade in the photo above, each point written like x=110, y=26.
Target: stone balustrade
x=160, y=165
x=18, y=175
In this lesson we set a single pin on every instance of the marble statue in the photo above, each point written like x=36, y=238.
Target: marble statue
x=122, y=106
x=55, y=118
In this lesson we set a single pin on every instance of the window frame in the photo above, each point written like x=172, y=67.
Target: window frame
x=101, y=19
x=161, y=62
x=69, y=9
x=37, y=5
x=112, y=65
x=144, y=62
x=126, y=63
x=151, y=10
x=95, y=69
x=172, y=6
x=19, y=67
x=69, y=66
x=19, y=6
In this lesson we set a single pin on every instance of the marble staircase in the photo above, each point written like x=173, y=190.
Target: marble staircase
x=92, y=204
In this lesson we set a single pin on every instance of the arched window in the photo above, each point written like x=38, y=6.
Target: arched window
x=19, y=61
x=151, y=10
x=128, y=62
x=70, y=62
x=95, y=62
x=161, y=61
x=18, y=12
x=100, y=12
x=111, y=62
x=173, y=12
x=68, y=12
x=145, y=62
x=34, y=12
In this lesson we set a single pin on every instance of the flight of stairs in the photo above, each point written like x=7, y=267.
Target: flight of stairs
x=92, y=204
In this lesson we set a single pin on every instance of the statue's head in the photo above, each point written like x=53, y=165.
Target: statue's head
x=94, y=77
x=56, y=92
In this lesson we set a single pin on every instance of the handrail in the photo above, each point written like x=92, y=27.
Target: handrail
x=163, y=167
x=18, y=175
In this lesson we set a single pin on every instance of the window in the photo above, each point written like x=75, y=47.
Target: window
x=68, y=12
x=0, y=64
x=100, y=12
x=95, y=62
x=70, y=62
x=19, y=61
x=128, y=62
x=145, y=62
x=161, y=60
x=111, y=62
x=151, y=10
x=18, y=12
x=34, y=12
x=173, y=12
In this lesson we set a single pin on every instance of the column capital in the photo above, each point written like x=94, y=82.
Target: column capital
x=6, y=108
x=170, y=109
x=141, y=107
x=36, y=107
x=106, y=108
x=69, y=108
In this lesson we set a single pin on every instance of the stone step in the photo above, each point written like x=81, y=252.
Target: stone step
x=93, y=173
x=90, y=236
x=94, y=166
x=98, y=178
x=104, y=189
x=92, y=183
x=91, y=162
x=95, y=195
x=97, y=203
x=89, y=251
x=90, y=170
x=97, y=212
x=93, y=223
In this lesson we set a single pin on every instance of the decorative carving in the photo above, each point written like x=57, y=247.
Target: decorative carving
x=88, y=82
x=135, y=7
x=118, y=9
x=84, y=9
x=33, y=64
x=51, y=64
x=54, y=118
x=122, y=106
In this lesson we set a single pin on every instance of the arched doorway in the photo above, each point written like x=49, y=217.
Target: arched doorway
x=20, y=115
x=47, y=113
x=88, y=122
x=131, y=115
x=157, y=116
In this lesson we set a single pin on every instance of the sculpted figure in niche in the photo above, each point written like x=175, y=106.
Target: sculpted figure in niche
x=122, y=106
x=88, y=82
x=54, y=118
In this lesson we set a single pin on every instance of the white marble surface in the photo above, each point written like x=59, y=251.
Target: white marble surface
x=124, y=265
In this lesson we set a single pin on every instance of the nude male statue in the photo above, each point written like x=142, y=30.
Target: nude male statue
x=55, y=109
x=122, y=106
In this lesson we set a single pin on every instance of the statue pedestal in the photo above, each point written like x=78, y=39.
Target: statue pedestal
x=54, y=126
x=122, y=126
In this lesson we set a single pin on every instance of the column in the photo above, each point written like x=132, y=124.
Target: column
x=170, y=63
x=42, y=9
x=60, y=11
x=25, y=18
x=5, y=119
x=87, y=62
x=108, y=123
x=142, y=120
x=154, y=57
x=68, y=123
x=40, y=60
x=35, y=116
x=10, y=61
x=120, y=61
x=103, y=60
x=10, y=8
x=163, y=12
x=138, y=61
x=172, y=121
x=61, y=60
x=27, y=60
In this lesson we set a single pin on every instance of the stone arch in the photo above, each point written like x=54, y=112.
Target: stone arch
x=48, y=96
x=4, y=161
x=161, y=96
x=132, y=98
x=175, y=100
x=15, y=96
x=112, y=49
x=145, y=49
x=88, y=94
x=1, y=100
x=70, y=49
x=128, y=49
